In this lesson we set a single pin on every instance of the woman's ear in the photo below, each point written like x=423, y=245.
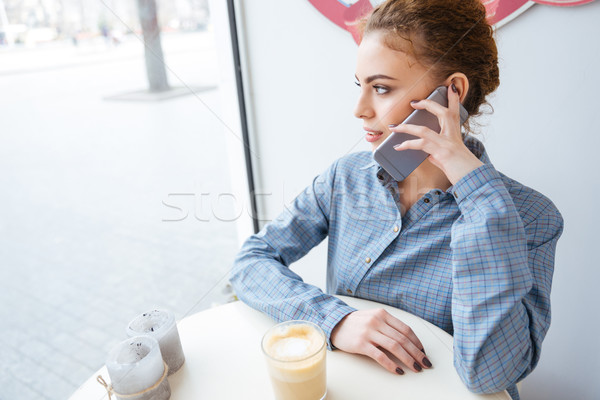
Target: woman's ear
x=461, y=82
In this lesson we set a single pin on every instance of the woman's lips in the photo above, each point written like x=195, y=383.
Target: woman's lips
x=372, y=136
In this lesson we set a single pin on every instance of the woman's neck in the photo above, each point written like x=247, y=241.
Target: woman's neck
x=423, y=179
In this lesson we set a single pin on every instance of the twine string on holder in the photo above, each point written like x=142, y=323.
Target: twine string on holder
x=111, y=391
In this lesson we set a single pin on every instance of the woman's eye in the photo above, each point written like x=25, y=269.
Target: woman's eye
x=378, y=89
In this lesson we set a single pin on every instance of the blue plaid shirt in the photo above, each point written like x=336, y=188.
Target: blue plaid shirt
x=475, y=260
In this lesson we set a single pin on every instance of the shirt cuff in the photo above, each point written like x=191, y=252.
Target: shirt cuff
x=473, y=181
x=332, y=320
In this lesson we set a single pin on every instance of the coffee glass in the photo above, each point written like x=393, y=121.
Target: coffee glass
x=295, y=352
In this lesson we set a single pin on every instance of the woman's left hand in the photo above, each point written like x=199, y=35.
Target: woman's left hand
x=446, y=150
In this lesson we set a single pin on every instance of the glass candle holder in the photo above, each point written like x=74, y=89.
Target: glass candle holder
x=134, y=366
x=160, y=325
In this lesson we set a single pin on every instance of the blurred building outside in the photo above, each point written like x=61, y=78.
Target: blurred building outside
x=29, y=23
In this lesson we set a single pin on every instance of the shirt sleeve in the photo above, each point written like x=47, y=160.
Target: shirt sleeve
x=261, y=276
x=502, y=275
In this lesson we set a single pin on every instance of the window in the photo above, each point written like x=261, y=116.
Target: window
x=116, y=199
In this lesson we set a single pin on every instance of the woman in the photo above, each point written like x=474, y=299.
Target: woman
x=456, y=243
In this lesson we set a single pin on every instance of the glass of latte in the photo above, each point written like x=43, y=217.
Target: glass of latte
x=295, y=353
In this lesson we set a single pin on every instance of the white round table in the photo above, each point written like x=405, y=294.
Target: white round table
x=223, y=360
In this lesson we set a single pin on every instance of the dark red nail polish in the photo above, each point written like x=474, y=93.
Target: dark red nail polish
x=426, y=362
x=417, y=367
x=423, y=350
x=399, y=371
x=454, y=88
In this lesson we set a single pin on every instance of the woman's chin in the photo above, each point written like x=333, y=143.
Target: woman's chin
x=376, y=141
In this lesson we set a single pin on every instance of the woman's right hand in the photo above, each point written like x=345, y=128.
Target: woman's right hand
x=375, y=332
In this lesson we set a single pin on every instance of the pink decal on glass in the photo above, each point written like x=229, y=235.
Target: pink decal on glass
x=347, y=13
x=344, y=15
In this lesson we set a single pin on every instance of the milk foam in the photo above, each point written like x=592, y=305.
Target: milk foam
x=293, y=342
x=290, y=348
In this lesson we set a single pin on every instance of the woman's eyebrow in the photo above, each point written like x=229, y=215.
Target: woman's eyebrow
x=378, y=76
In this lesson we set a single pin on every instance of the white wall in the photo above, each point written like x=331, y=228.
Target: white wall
x=544, y=133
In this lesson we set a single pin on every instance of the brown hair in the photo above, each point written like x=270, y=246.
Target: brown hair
x=446, y=36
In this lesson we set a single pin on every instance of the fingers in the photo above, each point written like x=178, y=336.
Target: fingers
x=399, y=339
x=402, y=329
x=405, y=337
x=382, y=359
x=422, y=133
x=438, y=147
x=433, y=107
x=381, y=336
x=415, y=130
x=446, y=116
x=399, y=349
x=416, y=144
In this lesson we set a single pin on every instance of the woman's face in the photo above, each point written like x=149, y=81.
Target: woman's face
x=389, y=80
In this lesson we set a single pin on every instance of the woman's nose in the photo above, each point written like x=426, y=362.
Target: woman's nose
x=362, y=109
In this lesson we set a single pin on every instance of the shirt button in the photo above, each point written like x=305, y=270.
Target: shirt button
x=348, y=291
x=426, y=200
x=438, y=192
x=368, y=260
x=455, y=195
x=396, y=228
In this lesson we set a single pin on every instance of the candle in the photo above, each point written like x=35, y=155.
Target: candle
x=160, y=325
x=136, y=365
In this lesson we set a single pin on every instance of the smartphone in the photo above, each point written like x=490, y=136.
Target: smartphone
x=399, y=164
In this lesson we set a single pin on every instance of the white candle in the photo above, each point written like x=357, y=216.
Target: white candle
x=160, y=325
x=135, y=365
